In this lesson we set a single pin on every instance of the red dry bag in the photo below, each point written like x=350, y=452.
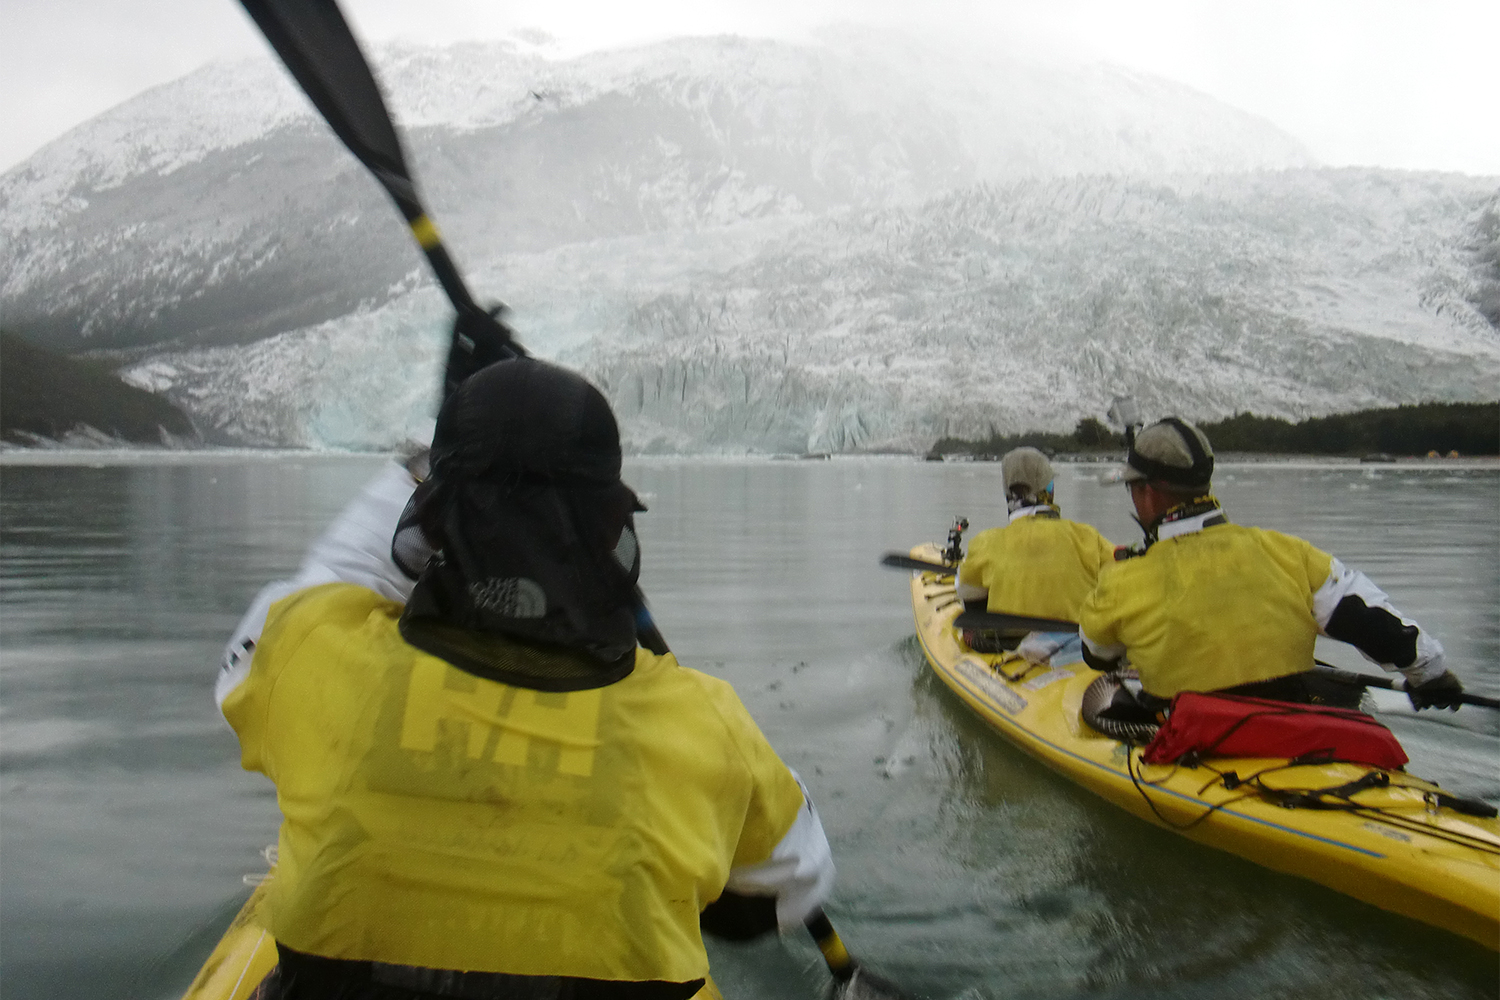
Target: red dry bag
x=1227, y=725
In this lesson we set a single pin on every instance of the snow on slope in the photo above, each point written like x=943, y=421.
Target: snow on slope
x=1030, y=306
x=220, y=106
x=230, y=103
x=997, y=307
x=217, y=209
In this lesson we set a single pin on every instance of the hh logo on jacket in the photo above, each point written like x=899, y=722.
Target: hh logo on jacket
x=497, y=722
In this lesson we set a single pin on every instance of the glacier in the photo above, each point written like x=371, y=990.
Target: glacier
x=993, y=308
x=858, y=243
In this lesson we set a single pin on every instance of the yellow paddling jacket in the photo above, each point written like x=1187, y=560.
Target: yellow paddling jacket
x=1039, y=564
x=437, y=819
x=1211, y=608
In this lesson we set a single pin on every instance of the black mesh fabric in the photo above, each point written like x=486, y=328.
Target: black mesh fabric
x=411, y=550
x=525, y=513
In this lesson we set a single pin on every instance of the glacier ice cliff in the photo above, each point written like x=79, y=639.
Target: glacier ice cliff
x=991, y=308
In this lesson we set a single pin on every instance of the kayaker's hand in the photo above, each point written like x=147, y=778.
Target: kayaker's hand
x=479, y=339
x=1441, y=692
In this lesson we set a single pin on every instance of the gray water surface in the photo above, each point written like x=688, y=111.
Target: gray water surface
x=966, y=870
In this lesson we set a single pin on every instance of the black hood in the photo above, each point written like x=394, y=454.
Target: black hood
x=534, y=559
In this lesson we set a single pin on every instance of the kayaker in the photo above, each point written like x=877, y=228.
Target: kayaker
x=488, y=789
x=1038, y=563
x=1208, y=605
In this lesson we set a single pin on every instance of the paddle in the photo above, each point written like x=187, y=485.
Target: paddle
x=896, y=560
x=851, y=981
x=314, y=41
x=997, y=621
x=1391, y=684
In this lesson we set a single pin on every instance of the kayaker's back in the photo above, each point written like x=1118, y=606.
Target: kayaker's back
x=441, y=820
x=1038, y=565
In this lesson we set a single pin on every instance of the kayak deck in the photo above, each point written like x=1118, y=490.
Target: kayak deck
x=1396, y=849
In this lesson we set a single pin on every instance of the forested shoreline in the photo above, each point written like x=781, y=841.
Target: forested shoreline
x=46, y=396
x=1414, y=430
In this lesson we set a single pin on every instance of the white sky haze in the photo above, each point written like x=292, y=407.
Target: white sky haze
x=1370, y=82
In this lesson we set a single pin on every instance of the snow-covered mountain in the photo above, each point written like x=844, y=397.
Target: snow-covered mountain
x=753, y=245
x=996, y=307
x=218, y=209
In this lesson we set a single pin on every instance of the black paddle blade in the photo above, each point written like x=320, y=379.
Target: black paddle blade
x=865, y=985
x=314, y=40
x=896, y=560
x=995, y=621
x=1391, y=684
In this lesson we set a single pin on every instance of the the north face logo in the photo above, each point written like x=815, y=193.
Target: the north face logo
x=510, y=597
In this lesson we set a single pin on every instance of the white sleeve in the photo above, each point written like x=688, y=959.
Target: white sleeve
x=1100, y=651
x=355, y=548
x=969, y=594
x=1343, y=583
x=799, y=872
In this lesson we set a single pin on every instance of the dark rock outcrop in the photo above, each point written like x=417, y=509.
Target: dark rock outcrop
x=47, y=395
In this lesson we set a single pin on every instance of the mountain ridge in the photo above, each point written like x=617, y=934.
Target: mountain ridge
x=250, y=214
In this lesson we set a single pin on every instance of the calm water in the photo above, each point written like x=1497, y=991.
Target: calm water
x=966, y=870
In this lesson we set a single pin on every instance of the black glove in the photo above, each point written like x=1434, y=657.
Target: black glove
x=1443, y=691
x=479, y=339
x=733, y=917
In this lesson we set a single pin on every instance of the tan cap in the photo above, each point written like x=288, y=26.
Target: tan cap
x=1170, y=451
x=1028, y=468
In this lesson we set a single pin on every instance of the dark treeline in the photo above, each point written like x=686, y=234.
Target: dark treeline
x=1089, y=436
x=44, y=394
x=1467, y=428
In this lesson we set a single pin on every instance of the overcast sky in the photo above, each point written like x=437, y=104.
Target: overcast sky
x=1375, y=82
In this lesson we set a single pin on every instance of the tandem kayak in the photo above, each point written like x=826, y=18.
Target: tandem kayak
x=1390, y=842
x=247, y=952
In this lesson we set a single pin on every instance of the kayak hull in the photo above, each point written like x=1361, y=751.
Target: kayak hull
x=1395, y=851
x=242, y=958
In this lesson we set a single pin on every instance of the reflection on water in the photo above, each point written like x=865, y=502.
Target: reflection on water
x=1081, y=897
x=127, y=823
x=966, y=869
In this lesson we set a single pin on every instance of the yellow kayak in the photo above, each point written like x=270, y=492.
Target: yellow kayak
x=242, y=957
x=247, y=952
x=1389, y=843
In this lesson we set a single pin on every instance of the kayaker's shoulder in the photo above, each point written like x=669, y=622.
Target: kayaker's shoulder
x=336, y=600
x=663, y=672
x=987, y=536
x=1081, y=529
x=1269, y=538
